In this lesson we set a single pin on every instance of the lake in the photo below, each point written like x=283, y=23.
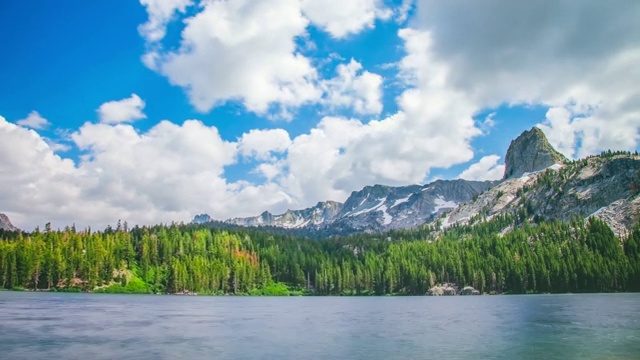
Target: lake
x=94, y=326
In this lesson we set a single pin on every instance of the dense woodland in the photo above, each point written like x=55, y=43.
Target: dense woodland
x=582, y=256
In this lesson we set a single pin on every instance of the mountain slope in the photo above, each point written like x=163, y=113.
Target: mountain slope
x=604, y=186
x=323, y=212
x=539, y=184
x=5, y=223
x=379, y=208
x=374, y=208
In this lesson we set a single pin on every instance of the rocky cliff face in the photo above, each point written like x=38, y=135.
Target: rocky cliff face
x=607, y=187
x=530, y=152
x=540, y=183
x=379, y=208
x=5, y=223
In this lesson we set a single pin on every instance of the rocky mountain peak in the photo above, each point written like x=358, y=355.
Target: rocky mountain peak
x=5, y=223
x=201, y=219
x=530, y=152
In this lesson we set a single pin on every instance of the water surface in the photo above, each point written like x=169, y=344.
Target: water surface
x=96, y=326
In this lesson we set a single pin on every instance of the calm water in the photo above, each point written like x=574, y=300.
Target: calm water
x=92, y=326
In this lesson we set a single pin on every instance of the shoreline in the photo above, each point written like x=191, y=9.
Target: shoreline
x=306, y=295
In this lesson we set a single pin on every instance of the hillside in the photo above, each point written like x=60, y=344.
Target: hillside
x=581, y=256
x=604, y=186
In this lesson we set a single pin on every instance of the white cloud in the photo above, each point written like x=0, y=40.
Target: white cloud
x=354, y=88
x=270, y=170
x=124, y=110
x=34, y=120
x=250, y=52
x=402, y=11
x=559, y=131
x=242, y=50
x=486, y=168
x=563, y=54
x=171, y=172
x=262, y=143
x=433, y=129
x=56, y=146
x=35, y=183
x=165, y=174
x=488, y=123
x=160, y=13
x=342, y=18
x=459, y=61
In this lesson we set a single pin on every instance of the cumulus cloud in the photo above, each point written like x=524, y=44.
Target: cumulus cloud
x=433, y=129
x=565, y=55
x=487, y=168
x=167, y=173
x=160, y=13
x=262, y=143
x=354, y=88
x=559, y=130
x=34, y=120
x=342, y=18
x=35, y=182
x=242, y=50
x=402, y=12
x=249, y=51
x=460, y=59
x=270, y=171
x=124, y=110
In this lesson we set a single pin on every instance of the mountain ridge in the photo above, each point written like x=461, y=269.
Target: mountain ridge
x=538, y=181
x=374, y=208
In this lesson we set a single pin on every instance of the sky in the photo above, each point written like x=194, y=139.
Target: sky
x=154, y=111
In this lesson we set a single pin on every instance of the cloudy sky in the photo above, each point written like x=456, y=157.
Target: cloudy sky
x=155, y=111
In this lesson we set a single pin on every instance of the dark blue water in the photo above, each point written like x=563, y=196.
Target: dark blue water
x=92, y=326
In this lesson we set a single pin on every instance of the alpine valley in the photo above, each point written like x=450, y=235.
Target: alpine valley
x=539, y=184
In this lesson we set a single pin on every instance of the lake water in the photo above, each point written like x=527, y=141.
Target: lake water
x=94, y=326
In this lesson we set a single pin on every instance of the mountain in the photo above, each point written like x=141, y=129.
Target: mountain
x=323, y=212
x=530, y=152
x=542, y=184
x=201, y=219
x=380, y=208
x=605, y=186
x=373, y=209
x=539, y=184
x=5, y=223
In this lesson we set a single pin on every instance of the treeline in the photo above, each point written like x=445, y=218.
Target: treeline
x=581, y=256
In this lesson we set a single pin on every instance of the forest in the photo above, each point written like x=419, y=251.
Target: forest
x=546, y=257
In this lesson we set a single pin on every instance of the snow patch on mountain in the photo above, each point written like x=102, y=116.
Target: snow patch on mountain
x=368, y=209
x=401, y=201
x=386, y=218
x=441, y=203
x=376, y=208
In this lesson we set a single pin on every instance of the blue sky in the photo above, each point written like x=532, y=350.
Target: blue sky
x=155, y=111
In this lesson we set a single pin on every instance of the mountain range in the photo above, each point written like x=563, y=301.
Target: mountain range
x=538, y=183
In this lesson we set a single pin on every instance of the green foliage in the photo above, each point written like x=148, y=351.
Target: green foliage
x=273, y=289
x=580, y=256
x=134, y=286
